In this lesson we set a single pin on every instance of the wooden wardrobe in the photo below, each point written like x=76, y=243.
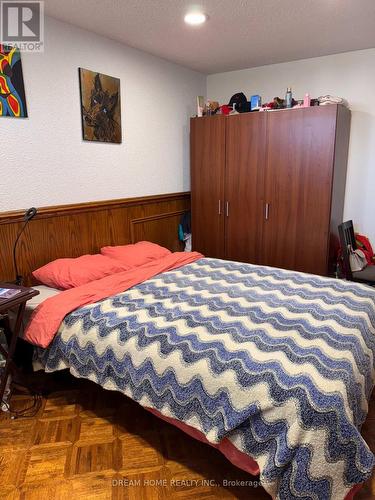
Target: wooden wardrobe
x=268, y=187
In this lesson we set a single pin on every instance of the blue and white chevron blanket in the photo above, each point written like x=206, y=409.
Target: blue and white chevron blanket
x=280, y=363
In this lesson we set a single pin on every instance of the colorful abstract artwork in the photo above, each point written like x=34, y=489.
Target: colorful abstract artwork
x=100, y=106
x=12, y=90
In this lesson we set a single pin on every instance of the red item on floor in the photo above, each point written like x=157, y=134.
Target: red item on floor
x=364, y=244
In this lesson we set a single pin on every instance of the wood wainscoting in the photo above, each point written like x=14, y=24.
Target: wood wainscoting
x=74, y=230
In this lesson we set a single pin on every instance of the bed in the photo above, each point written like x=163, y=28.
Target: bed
x=45, y=292
x=273, y=367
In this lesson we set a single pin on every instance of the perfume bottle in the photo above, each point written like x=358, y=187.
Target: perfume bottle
x=306, y=101
x=288, y=98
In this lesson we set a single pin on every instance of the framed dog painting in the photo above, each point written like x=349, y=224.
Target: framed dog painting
x=100, y=107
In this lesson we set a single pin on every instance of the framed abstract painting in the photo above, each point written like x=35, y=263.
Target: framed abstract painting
x=100, y=107
x=12, y=89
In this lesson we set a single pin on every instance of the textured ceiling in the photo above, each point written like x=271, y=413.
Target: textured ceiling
x=239, y=33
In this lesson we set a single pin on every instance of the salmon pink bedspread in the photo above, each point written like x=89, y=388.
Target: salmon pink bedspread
x=48, y=316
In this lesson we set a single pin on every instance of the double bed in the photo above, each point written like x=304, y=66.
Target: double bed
x=274, y=368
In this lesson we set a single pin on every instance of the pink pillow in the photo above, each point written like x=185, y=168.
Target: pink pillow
x=70, y=273
x=137, y=254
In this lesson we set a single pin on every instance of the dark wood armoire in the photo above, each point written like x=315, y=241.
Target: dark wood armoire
x=268, y=187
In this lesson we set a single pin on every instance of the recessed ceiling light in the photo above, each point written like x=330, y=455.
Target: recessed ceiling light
x=195, y=18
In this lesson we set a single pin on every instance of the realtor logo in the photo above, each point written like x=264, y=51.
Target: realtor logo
x=22, y=25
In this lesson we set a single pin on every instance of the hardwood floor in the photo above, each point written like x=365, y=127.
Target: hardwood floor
x=89, y=443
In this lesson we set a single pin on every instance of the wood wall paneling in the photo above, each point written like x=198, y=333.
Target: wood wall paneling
x=160, y=229
x=73, y=230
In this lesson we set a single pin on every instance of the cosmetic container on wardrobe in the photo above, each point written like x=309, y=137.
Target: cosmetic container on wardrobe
x=307, y=101
x=288, y=98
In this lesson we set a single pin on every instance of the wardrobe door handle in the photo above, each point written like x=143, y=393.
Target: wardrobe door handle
x=219, y=207
x=267, y=211
x=227, y=208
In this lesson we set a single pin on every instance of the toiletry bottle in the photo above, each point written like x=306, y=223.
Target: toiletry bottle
x=208, y=108
x=306, y=101
x=288, y=98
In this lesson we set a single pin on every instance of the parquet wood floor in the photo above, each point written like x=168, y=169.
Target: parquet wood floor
x=94, y=444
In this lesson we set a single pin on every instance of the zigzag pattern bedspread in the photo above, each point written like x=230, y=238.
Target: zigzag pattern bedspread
x=281, y=363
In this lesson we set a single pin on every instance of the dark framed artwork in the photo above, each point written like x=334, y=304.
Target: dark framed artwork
x=12, y=89
x=100, y=107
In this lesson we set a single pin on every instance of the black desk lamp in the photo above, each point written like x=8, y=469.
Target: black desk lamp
x=29, y=214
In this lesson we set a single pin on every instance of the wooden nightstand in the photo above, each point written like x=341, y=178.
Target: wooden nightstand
x=17, y=301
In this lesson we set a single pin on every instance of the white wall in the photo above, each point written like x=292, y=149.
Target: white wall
x=43, y=160
x=350, y=75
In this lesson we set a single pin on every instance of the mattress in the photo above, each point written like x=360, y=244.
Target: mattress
x=44, y=293
x=279, y=364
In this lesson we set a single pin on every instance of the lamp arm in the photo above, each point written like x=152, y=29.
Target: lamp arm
x=29, y=214
x=18, y=276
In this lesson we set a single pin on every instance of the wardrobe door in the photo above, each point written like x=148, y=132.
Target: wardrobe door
x=299, y=176
x=244, y=185
x=207, y=158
